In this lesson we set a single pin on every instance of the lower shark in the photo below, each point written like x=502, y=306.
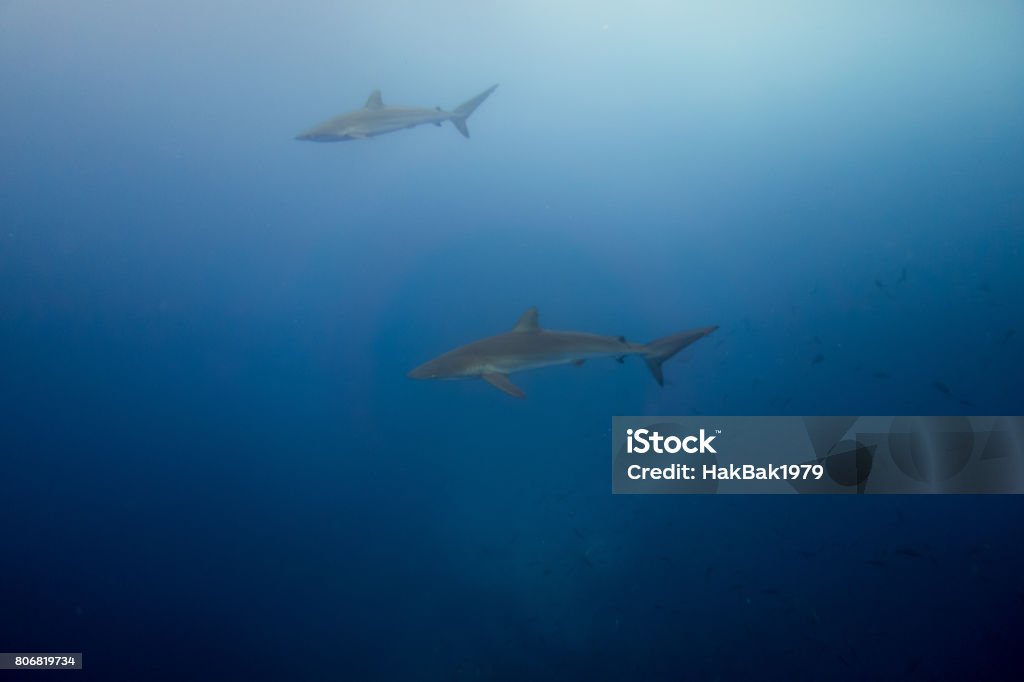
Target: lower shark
x=528, y=346
x=375, y=118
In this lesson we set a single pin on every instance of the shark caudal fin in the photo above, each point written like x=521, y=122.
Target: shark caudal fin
x=660, y=350
x=463, y=111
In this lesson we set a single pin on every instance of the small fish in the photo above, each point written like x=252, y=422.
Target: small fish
x=985, y=287
x=941, y=388
x=818, y=359
x=903, y=275
x=1005, y=337
x=966, y=403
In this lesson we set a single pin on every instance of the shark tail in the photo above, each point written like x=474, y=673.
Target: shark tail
x=660, y=350
x=463, y=111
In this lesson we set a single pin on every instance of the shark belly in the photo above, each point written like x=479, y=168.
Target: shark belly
x=527, y=362
x=400, y=120
x=509, y=366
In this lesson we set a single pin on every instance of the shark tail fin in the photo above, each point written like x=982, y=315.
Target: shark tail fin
x=660, y=350
x=463, y=111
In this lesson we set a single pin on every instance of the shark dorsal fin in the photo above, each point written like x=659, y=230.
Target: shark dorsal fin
x=527, y=322
x=374, y=101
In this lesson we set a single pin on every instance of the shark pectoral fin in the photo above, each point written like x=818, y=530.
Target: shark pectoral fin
x=578, y=363
x=621, y=359
x=501, y=382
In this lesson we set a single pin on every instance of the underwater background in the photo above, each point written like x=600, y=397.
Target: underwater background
x=215, y=467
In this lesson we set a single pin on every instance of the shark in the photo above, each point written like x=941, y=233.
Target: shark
x=529, y=346
x=376, y=118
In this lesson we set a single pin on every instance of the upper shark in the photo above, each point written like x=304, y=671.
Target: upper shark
x=375, y=118
x=528, y=346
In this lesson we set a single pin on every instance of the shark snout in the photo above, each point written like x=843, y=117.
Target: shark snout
x=431, y=369
x=316, y=135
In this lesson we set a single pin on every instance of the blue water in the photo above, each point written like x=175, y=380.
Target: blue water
x=214, y=466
